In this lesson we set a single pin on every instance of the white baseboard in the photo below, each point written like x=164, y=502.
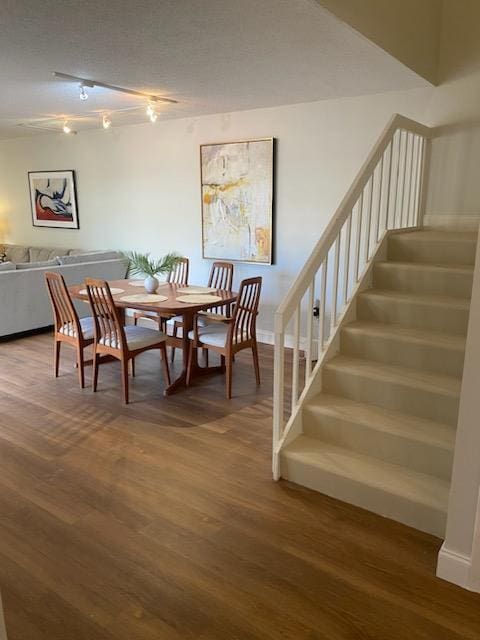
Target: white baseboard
x=452, y=222
x=454, y=567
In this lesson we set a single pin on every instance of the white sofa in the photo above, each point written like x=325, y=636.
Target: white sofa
x=24, y=302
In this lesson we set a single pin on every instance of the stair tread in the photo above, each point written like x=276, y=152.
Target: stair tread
x=407, y=376
x=428, y=266
x=438, y=236
x=385, y=420
x=418, y=298
x=389, y=478
x=409, y=334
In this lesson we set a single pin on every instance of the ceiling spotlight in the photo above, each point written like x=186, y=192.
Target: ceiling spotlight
x=83, y=93
x=150, y=109
x=153, y=116
x=66, y=128
x=106, y=122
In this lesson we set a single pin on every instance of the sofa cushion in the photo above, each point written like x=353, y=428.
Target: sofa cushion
x=98, y=256
x=37, y=265
x=16, y=253
x=7, y=266
x=40, y=254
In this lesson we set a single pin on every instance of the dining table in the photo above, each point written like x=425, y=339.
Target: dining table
x=169, y=306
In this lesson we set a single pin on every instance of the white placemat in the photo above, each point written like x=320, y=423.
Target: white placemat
x=144, y=297
x=192, y=290
x=113, y=290
x=199, y=299
x=140, y=283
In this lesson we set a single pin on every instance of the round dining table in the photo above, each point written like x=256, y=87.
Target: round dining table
x=170, y=307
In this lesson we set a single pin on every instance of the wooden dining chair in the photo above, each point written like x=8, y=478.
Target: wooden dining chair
x=221, y=277
x=113, y=339
x=227, y=336
x=69, y=328
x=177, y=275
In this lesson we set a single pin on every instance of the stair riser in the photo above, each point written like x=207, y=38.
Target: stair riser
x=403, y=249
x=384, y=445
x=412, y=400
x=374, y=499
x=388, y=350
x=409, y=279
x=449, y=319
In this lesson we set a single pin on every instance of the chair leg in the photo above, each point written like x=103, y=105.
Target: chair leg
x=81, y=366
x=125, y=379
x=165, y=367
x=205, y=356
x=190, y=364
x=255, y=362
x=95, y=370
x=135, y=319
x=222, y=362
x=56, y=357
x=228, y=379
x=133, y=367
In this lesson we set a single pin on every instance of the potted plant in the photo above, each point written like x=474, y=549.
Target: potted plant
x=143, y=264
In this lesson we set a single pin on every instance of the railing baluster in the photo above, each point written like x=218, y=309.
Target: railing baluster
x=395, y=200
x=358, y=236
x=402, y=209
x=279, y=399
x=346, y=261
x=333, y=318
x=308, y=354
x=379, y=201
x=410, y=182
x=321, y=311
x=389, y=184
x=296, y=356
x=418, y=169
x=368, y=222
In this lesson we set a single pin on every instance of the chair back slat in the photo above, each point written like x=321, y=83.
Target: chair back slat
x=179, y=273
x=221, y=277
x=246, y=310
x=64, y=313
x=108, y=328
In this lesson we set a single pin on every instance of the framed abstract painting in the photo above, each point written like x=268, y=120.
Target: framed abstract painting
x=237, y=200
x=53, y=199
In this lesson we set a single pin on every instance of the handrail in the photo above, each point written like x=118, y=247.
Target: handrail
x=390, y=190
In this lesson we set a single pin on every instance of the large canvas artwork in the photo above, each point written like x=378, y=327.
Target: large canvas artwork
x=53, y=199
x=237, y=200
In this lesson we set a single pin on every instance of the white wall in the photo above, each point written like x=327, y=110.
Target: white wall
x=138, y=186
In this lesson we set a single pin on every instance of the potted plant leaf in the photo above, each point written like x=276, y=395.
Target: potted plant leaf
x=142, y=264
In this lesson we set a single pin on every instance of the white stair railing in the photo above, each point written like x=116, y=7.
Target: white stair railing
x=388, y=193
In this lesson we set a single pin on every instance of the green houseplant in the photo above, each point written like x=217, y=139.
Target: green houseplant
x=143, y=264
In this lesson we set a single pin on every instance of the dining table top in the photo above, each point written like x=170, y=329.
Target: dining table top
x=169, y=290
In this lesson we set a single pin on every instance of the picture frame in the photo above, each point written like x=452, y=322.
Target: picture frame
x=237, y=200
x=53, y=199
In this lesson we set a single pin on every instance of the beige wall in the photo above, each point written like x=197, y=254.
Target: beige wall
x=407, y=29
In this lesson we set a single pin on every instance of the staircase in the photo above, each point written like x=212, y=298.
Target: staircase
x=381, y=433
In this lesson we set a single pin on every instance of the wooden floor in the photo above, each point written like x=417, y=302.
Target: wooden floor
x=160, y=521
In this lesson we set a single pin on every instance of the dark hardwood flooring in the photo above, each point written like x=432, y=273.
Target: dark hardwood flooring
x=160, y=521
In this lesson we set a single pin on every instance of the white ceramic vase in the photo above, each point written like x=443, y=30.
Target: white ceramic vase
x=151, y=284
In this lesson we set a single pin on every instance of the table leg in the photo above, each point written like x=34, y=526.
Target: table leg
x=182, y=378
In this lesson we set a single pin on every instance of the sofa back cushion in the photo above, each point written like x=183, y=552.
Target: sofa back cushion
x=97, y=256
x=7, y=266
x=37, y=265
x=41, y=254
x=16, y=253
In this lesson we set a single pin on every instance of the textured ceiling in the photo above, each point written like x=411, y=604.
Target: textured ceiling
x=212, y=55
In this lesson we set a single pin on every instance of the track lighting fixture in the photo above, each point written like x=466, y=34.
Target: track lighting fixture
x=150, y=109
x=66, y=128
x=153, y=116
x=83, y=93
x=106, y=122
